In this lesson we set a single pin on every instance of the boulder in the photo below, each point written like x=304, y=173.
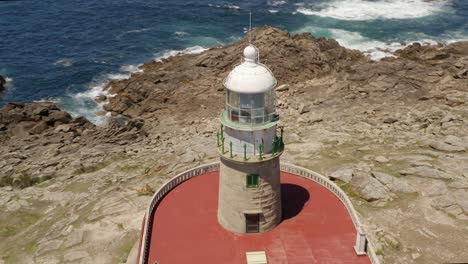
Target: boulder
x=38, y=128
x=448, y=144
x=344, y=175
x=61, y=117
x=369, y=188
x=461, y=197
x=390, y=120
x=381, y=159
x=426, y=172
x=282, y=88
x=394, y=184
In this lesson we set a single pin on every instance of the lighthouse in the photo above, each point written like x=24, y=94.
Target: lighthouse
x=250, y=145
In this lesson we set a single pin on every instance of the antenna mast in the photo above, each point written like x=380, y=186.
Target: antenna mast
x=250, y=25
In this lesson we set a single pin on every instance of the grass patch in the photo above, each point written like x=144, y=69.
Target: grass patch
x=78, y=187
x=14, y=223
x=100, y=165
x=22, y=179
x=124, y=250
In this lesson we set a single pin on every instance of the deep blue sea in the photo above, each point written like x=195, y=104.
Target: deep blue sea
x=65, y=51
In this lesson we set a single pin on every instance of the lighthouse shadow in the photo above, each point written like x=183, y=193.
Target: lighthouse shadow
x=293, y=198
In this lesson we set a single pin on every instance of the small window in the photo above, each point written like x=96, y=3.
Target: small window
x=252, y=180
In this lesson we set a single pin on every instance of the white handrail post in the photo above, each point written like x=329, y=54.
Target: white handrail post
x=361, y=242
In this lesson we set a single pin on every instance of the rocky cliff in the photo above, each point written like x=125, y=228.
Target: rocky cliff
x=391, y=133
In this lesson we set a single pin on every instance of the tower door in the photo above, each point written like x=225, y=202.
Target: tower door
x=252, y=223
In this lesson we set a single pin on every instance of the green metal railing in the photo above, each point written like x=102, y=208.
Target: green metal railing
x=277, y=147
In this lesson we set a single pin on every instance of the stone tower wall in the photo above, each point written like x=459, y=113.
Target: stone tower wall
x=236, y=199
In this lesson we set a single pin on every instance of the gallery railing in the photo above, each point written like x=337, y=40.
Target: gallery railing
x=361, y=247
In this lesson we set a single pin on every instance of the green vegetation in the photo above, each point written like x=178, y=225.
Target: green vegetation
x=100, y=165
x=22, y=219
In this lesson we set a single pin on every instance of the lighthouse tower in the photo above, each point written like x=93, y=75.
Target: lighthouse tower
x=250, y=145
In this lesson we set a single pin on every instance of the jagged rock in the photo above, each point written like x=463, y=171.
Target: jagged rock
x=101, y=98
x=76, y=255
x=427, y=172
x=392, y=241
x=303, y=109
x=63, y=128
x=381, y=159
x=369, y=188
x=449, y=144
x=60, y=117
x=434, y=188
x=394, y=184
x=39, y=128
x=282, y=88
x=461, y=197
x=344, y=175
x=390, y=120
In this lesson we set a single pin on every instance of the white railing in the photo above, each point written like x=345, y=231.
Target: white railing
x=159, y=195
x=362, y=244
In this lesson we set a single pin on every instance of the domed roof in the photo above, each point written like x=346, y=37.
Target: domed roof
x=250, y=76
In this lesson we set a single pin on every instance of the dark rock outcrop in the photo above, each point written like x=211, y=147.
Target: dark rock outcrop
x=23, y=119
x=180, y=79
x=2, y=83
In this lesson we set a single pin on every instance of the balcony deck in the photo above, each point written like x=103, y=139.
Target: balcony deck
x=316, y=227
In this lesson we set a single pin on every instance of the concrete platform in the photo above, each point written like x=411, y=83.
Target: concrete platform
x=316, y=227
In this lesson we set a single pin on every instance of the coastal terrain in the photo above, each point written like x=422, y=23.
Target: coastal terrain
x=392, y=133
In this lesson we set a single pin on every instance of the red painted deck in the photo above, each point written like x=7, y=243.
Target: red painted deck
x=316, y=227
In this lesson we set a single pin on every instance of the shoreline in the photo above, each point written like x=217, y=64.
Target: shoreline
x=390, y=133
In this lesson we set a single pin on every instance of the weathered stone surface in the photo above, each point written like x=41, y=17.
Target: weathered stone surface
x=381, y=159
x=461, y=197
x=427, y=172
x=344, y=175
x=369, y=188
x=449, y=144
x=394, y=184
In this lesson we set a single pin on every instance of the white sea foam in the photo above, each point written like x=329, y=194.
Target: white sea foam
x=374, y=49
x=380, y=9
x=276, y=3
x=118, y=76
x=170, y=53
x=131, y=68
x=8, y=79
x=231, y=7
x=181, y=33
x=84, y=104
x=49, y=99
x=137, y=30
x=273, y=11
x=65, y=62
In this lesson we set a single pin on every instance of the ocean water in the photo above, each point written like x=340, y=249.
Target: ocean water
x=66, y=51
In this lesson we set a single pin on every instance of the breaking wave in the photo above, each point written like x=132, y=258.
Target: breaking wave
x=276, y=3
x=84, y=103
x=376, y=49
x=170, y=53
x=181, y=33
x=66, y=62
x=381, y=9
x=233, y=7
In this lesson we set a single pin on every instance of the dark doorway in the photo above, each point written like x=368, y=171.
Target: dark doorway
x=252, y=223
x=293, y=199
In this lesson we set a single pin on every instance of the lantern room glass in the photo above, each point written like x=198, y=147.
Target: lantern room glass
x=250, y=108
